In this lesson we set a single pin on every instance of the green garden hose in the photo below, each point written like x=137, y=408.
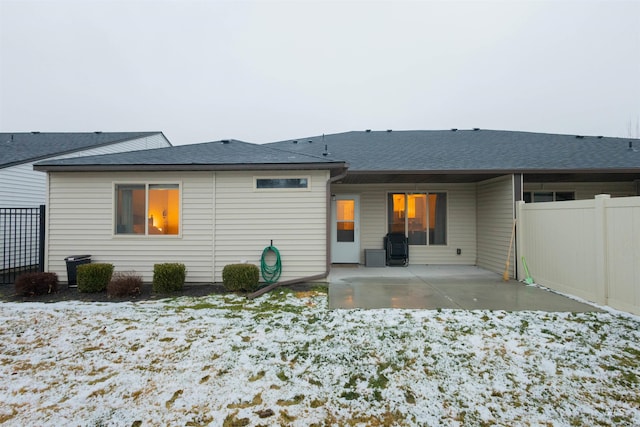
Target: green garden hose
x=270, y=273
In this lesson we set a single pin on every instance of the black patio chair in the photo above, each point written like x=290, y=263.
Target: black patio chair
x=397, y=247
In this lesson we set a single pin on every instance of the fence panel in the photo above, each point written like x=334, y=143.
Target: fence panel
x=587, y=248
x=623, y=253
x=559, y=246
x=22, y=248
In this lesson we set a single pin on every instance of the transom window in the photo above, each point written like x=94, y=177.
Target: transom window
x=147, y=209
x=548, y=196
x=420, y=216
x=296, y=183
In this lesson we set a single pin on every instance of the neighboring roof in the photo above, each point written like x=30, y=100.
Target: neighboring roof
x=217, y=155
x=17, y=148
x=470, y=151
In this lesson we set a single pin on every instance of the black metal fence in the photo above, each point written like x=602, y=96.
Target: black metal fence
x=22, y=248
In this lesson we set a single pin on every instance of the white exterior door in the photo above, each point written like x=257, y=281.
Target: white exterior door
x=345, y=229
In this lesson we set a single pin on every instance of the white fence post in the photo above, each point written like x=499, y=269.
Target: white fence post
x=601, y=243
x=519, y=240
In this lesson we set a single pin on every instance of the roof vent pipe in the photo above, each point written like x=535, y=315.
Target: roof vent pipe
x=388, y=130
x=476, y=128
x=630, y=145
x=454, y=129
x=326, y=150
x=368, y=130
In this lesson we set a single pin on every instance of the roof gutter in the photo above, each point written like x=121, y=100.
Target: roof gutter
x=492, y=171
x=188, y=167
x=320, y=276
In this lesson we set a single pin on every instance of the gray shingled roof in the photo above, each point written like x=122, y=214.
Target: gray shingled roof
x=470, y=150
x=226, y=154
x=17, y=148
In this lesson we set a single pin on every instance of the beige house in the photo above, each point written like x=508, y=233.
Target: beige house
x=205, y=205
x=453, y=192
x=321, y=200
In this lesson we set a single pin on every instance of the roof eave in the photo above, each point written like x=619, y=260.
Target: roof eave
x=191, y=167
x=493, y=171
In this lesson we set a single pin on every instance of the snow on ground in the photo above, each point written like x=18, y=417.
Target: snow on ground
x=285, y=359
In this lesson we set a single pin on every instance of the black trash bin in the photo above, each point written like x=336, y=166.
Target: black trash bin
x=73, y=262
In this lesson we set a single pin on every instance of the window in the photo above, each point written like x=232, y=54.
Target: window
x=548, y=196
x=147, y=209
x=346, y=220
x=421, y=217
x=264, y=183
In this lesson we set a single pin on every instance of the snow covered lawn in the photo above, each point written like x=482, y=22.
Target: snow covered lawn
x=285, y=359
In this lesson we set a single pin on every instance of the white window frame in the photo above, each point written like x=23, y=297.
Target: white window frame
x=146, y=234
x=554, y=192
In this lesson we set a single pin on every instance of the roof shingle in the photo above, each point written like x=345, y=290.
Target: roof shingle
x=469, y=150
x=209, y=155
x=17, y=148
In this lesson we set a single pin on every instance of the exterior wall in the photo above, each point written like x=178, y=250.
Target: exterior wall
x=587, y=248
x=224, y=220
x=81, y=221
x=495, y=214
x=247, y=220
x=461, y=220
x=21, y=186
x=586, y=190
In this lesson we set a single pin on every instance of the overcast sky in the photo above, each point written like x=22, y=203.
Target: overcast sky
x=264, y=71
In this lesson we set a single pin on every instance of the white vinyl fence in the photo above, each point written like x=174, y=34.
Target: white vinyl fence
x=586, y=248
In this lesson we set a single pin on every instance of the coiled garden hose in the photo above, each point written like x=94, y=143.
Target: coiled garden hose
x=270, y=273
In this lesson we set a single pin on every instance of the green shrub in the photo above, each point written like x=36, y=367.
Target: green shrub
x=94, y=277
x=168, y=277
x=124, y=284
x=30, y=284
x=240, y=277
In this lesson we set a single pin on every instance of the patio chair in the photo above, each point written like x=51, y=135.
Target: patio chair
x=397, y=248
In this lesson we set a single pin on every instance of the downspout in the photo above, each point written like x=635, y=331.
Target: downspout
x=320, y=276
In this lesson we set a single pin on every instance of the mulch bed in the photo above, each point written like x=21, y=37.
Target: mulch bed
x=65, y=293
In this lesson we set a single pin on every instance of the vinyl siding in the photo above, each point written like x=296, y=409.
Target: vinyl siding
x=21, y=186
x=247, y=220
x=461, y=220
x=586, y=190
x=495, y=214
x=80, y=221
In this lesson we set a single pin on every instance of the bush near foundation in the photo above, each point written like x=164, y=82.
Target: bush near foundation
x=30, y=284
x=94, y=277
x=240, y=277
x=125, y=284
x=168, y=277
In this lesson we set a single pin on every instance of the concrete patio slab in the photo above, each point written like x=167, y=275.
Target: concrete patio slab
x=440, y=286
